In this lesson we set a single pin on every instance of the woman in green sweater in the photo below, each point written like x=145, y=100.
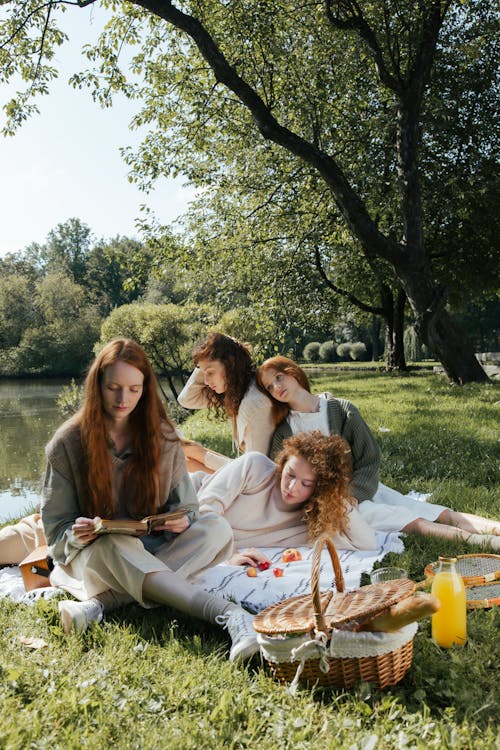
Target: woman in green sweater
x=296, y=409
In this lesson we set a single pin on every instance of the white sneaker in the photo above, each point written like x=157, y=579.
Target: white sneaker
x=77, y=616
x=239, y=624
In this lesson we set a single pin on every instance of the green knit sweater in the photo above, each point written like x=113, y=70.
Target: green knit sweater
x=345, y=420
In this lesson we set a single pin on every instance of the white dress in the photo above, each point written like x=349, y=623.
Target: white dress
x=388, y=510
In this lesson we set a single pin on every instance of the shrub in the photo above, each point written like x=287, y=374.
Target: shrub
x=70, y=399
x=311, y=351
x=358, y=350
x=343, y=350
x=328, y=351
x=176, y=412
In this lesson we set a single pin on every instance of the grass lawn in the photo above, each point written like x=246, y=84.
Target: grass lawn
x=158, y=680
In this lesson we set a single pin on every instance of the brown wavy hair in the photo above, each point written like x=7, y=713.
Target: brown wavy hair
x=150, y=426
x=326, y=511
x=240, y=369
x=279, y=410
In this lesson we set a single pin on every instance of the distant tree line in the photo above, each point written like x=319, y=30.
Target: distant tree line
x=61, y=299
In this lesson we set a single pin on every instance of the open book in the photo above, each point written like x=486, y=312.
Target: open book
x=137, y=528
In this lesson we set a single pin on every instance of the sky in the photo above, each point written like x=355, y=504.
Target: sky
x=65, y=162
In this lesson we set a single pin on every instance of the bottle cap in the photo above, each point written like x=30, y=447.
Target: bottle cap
x=447, y=559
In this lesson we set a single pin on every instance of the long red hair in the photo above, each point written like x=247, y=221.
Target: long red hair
x=279, y=410
x=147, y=421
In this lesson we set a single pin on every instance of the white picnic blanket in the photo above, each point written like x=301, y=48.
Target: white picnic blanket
x=231, y=581
x=255, y=594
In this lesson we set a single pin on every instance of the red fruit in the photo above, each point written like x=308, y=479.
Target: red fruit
x=278, y=572
x=251, y=572
x=290, y=555
x=264, y=565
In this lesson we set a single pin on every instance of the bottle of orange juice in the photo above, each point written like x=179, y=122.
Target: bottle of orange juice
x=449, y=624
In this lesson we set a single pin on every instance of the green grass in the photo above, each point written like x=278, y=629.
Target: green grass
x=155, y=679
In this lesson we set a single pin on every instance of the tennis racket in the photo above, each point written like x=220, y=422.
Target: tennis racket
x=483, y=595
x=481, y=574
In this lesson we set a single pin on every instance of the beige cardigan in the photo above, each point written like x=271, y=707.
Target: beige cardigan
x=253, y=426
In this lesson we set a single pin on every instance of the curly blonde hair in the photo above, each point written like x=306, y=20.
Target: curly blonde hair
x=329, y=456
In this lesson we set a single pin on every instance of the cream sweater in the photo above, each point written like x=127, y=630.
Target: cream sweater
x=253, y=426
x=247, y=493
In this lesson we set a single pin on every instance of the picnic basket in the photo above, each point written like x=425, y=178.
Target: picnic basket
x=314, y=638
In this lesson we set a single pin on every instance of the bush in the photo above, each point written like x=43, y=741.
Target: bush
x=311, y=351
x=328, y=351
x=358, y=350
x=344, y=350
x=176, y=412
x=70, y=399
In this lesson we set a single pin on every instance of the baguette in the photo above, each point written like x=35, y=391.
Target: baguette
x=408, y=610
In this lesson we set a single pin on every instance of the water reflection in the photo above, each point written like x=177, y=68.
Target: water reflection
x=28, y=418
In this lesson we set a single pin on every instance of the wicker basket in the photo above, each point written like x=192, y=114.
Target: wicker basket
x=311, y=639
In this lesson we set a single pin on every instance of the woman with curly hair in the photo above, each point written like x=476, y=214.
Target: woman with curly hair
x=295, y=409
x=290, y=502
x=224, y=382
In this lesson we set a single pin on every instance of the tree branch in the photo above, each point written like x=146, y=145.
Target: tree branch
x=357, y=22
x=343, y=292
x=349, y=203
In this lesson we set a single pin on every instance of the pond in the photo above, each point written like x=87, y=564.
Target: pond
x=28, y=417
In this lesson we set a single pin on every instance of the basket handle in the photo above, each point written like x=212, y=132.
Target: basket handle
x=323, y=540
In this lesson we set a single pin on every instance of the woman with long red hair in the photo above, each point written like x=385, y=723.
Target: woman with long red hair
x=120, y=457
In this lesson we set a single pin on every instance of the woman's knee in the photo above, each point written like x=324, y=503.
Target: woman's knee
x=212, y=526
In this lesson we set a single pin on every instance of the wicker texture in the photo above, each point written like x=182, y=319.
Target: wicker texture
x=474, y=569
x=483, y=595
x=326, y=610
x=319, y=613
x=381, y=671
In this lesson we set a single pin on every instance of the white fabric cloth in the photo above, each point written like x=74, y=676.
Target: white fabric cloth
x=255, y=594
x=389, y=510
x=232, y=583
x=301, y=421
x=343, y=644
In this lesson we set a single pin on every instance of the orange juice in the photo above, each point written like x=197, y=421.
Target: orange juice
x=449, y=624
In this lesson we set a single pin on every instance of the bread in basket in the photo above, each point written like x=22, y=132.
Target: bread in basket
x=321, y=638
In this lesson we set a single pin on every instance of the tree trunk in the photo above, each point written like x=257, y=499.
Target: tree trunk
x=375, y=337
x=394, y=330
x=453, y=349
x=446, y=339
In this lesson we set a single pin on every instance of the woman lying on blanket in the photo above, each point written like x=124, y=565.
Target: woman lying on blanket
x=290, y=502
x=120, y=457
x=296, y=409
x=224, y=382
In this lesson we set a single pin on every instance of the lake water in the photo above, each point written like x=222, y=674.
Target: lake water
x=28, y=417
